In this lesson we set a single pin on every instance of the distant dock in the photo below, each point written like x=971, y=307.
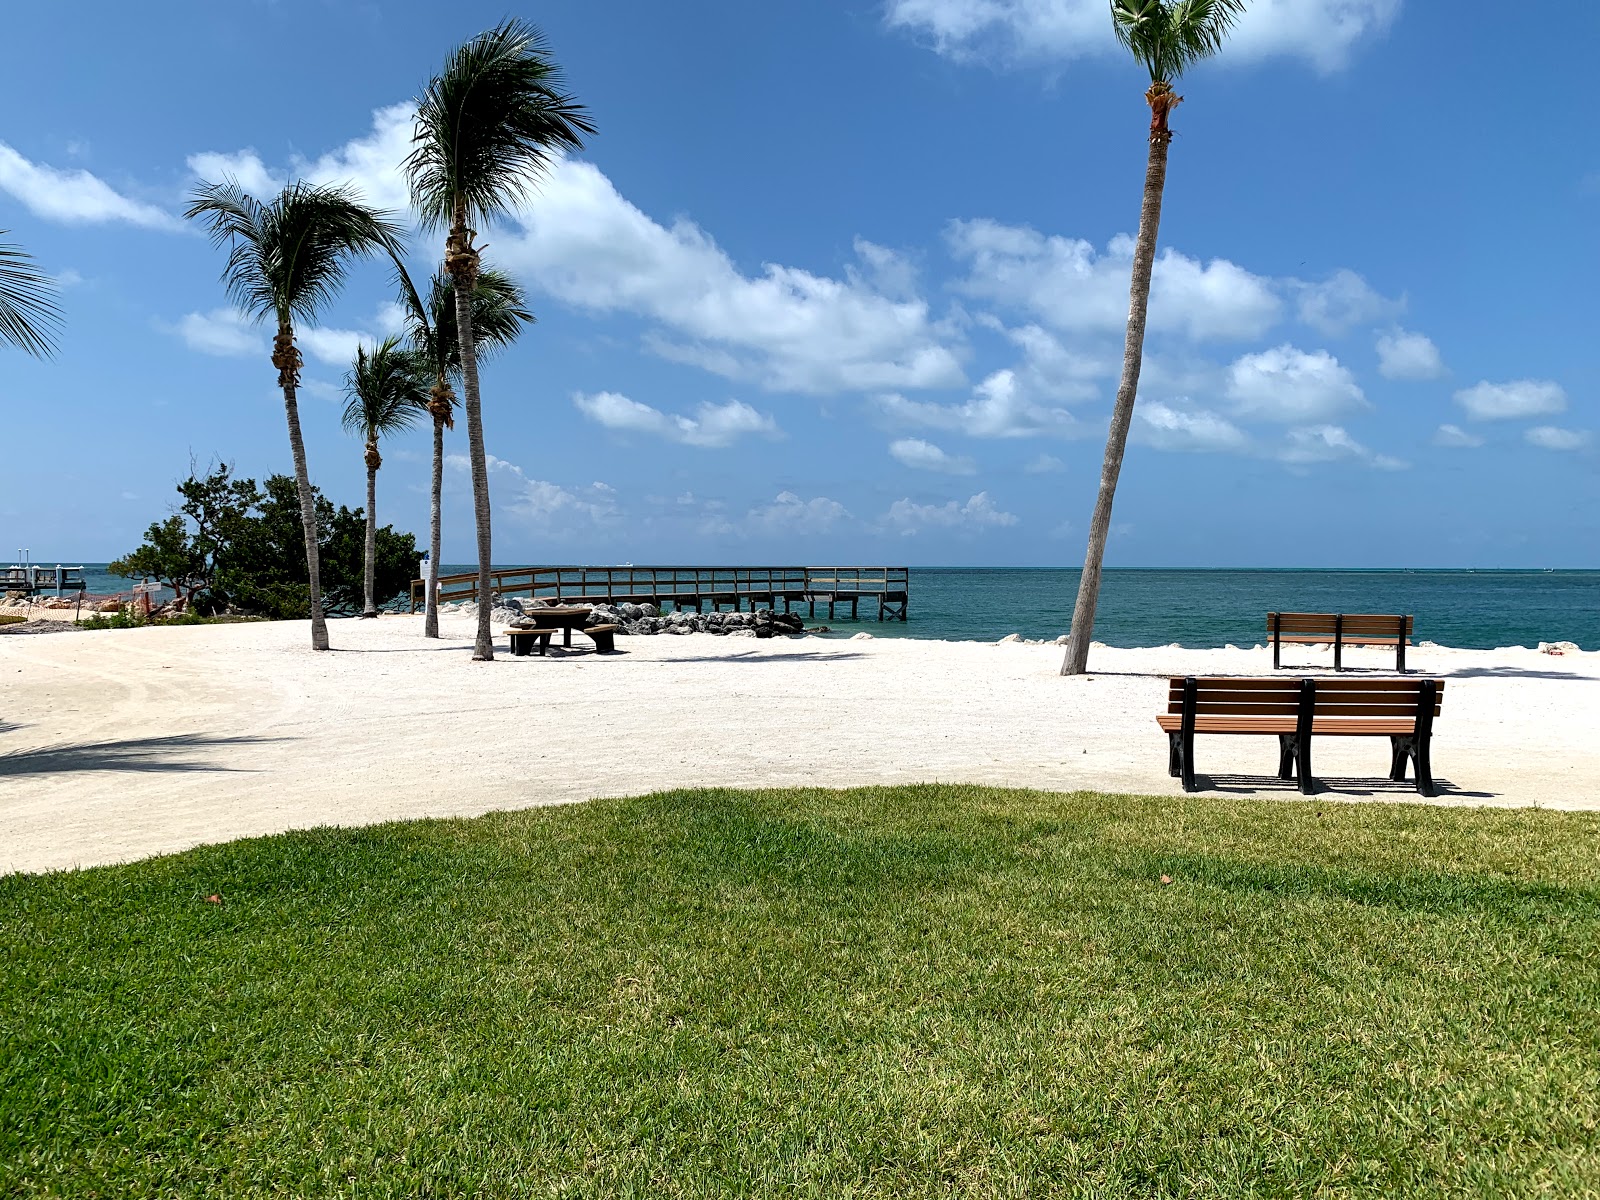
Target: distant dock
x=31, y=579
x=694, y=587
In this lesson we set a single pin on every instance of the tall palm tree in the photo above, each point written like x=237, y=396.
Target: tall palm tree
x=488, y=126
x=287, y=257
x=28, y=312
x=499, y=311
x=1166, y=36
x=387, y=391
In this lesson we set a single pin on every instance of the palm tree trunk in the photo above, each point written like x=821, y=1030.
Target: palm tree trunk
x=430, y=619
x=370, y=609
x=466, y=280
x=308, y=517
x=1144, y=256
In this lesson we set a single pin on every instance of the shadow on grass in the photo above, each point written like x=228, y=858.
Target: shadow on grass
x=132, y=754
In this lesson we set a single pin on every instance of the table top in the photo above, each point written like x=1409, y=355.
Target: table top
x=573, y=614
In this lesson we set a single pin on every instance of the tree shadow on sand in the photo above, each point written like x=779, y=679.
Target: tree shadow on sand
x=132, y=754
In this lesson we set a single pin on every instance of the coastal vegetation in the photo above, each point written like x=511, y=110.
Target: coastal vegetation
x=287, y=259
x=488, y=125
x=918, y=991
x=29, y=314
x=1165, y=36
x=386, y=391
x=235, y=546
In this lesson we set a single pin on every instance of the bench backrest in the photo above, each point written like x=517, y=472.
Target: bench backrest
x=1217, y=697
x=1350, y=624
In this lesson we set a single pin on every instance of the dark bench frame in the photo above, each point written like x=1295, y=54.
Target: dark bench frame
x=1335, y=625
x=523, y=640
x=1294, y=747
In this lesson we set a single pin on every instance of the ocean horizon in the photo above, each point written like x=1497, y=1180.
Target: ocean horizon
x=1482, y=608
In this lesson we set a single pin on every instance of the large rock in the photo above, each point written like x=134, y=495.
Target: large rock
x=650, y=610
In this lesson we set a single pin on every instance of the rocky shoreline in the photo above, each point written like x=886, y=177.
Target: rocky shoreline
x=646, y=620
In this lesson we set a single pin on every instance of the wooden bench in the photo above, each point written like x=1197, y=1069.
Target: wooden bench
x=524, y=640
x=604, y=638
x=1298, y=710
x=1341, y=629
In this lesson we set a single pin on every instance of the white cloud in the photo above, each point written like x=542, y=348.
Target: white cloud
x=244, y=167
x=1406, y=355
x=74, y=197
x=1065, y=282
x=999, y=408
x=1341, y=302
x=1322, y=32
x=1167, y=428
x=1456, y=438
x=1330, y=443
x=1551, y=437
x=925, y=456
x=979, y=512
x=1506, y=401
x=1045, y=464
x=790, y=514
x=225, y=332
x=785, y=327
x=713, y=425
x=537, y=499
x=1287, y=384
x=335, y=347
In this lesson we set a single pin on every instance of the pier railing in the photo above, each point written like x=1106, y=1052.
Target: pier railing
x=689, y=587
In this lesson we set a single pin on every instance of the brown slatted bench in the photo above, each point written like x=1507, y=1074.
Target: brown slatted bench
x=1341, y=630
x=1298, y=710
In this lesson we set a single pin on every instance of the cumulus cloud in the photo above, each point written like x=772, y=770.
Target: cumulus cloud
x=538, y=499
x=1454, y=437
x=1167, y=428
x=1341, y=302
x=1320, y=32
x=74, y=197
x=712, y=426
x=1287, y=384
x=789, y=514
x=1508, y=401
x=1551, y=437
x=1067, y=283
x=925, y=456
x=225, y=332
x=1331, y=443
x=978, y=513
x=335, y=347
x=1044, y=464
x=999, y=407
x=1408, y=356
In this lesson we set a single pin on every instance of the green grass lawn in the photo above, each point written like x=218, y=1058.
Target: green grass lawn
x=930, y=991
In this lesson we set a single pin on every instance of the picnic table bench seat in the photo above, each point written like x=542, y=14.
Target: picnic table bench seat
x=1299, y=710
x=1340, y=630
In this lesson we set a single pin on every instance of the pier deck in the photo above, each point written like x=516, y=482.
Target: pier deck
x=694, y=587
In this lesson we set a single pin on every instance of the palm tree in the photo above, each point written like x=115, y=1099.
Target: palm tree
x=1166, y=36
x=387, y=389
x=287, y=258
x=499, y=311
x=488, y=126
x=28, y=312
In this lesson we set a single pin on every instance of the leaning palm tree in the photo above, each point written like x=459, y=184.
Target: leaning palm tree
x=387, y=390
x=499, y=311
x=287, y=257
x=1166, y=36
x=28, y=312
x=488, y=126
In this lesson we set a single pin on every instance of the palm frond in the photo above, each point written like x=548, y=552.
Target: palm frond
x=499, y=313
x=1168, y=36
x=490, y=124
x=29, y=315
x=289, y=256
x=387, y=390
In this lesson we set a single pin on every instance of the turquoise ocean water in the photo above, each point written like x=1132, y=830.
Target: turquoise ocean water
x=1210, y=608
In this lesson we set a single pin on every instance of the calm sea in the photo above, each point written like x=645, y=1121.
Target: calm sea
x=1210, y=608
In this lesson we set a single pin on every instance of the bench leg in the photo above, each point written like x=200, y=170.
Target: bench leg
x=1174, y=753
x=1186, y=752
x=1302, y=764
x=603, y=642
x=1423, y=758
x=1399, y=752
x=544, y=646
x=1286, y=755
x=519, y=646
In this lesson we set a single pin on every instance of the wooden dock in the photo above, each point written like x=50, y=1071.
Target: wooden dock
x=694, y=587
x=32, y=579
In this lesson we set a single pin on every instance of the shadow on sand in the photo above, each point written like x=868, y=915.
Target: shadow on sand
x=133, y=754
x=1333, y=786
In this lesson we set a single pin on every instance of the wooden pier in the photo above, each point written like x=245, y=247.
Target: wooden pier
x=32, y=578
x=694, y=587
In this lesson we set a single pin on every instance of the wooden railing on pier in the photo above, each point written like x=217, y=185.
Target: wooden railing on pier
x=692, y=587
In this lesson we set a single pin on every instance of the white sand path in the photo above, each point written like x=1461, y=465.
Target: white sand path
x=116, y=745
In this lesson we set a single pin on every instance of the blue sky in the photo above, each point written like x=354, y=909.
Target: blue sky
x=848, y=281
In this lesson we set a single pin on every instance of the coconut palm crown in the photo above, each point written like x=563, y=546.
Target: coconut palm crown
x=287, y=258
x=489, y=125
x=28, y=311
x=1166, y=36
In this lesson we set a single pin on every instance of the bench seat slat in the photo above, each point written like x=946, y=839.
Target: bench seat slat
x=1332, y=726
x=1406, y=711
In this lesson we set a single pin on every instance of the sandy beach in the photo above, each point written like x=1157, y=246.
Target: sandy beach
x=121, y=744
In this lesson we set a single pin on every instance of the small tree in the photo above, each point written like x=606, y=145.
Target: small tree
x=388, y=390
x=187, y=551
